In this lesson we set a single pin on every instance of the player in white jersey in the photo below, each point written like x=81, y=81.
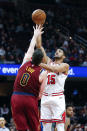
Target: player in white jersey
x=53, y=99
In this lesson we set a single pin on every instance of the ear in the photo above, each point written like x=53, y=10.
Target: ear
x=4, y=121
x=64, y=57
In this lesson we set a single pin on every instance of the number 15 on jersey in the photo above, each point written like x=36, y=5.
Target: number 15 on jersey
x=51, y=79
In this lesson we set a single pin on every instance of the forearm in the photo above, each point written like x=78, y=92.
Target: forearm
x=39, y=45
x=47, y=67
x=39, y=42
x=31, y=46
x=45, y=56
x=56, y=68
x=30, y=51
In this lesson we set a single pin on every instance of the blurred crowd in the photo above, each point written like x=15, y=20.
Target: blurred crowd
x=16, y=32
x=79, y=118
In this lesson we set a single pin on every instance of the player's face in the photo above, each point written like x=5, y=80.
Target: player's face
x=59, y=53
x=2, y=123
x=69, y=111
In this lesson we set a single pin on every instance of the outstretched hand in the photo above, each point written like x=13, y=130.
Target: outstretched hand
x=38, y=31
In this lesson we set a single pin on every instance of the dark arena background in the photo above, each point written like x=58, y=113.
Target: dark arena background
x=66, y=25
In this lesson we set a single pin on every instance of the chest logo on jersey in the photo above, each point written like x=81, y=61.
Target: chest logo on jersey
x=24, y=79
x=29, y=69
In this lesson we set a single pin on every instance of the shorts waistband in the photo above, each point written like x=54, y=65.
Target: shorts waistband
x=53, y=94
x=22, y=93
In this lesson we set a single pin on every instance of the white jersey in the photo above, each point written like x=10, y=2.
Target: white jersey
x=55, y=82
x=53, y=99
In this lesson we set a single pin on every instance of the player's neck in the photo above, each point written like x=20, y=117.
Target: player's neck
x=68, y=116
x=58, y=61
x=3, y=126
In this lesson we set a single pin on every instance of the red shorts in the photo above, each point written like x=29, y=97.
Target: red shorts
x=25, y=112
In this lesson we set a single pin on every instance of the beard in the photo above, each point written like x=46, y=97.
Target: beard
x=57, y=57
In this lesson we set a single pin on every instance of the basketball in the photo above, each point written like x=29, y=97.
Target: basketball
x=39, y=17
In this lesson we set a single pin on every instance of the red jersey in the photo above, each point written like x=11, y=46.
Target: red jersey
x=27, y=79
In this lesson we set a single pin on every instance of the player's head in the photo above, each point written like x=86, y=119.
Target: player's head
x=69, y=110
x=37, y=57
x=2, y=122
x=60, y=53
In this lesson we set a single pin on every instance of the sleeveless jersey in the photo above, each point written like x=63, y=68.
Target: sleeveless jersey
x=27, y=79
x=55, y=82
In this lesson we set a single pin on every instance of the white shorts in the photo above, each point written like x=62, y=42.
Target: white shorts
x=53, y=109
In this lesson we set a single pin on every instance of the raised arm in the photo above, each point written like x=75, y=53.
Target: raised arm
x=33, y=42
x=63, y=67
x=39, y=45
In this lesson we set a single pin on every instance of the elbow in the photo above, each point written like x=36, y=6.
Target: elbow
x=67, y=67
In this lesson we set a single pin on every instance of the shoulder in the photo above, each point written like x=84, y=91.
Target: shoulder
x=41, y=70
x=43, y=73
x=7, y=129
x=24, y=64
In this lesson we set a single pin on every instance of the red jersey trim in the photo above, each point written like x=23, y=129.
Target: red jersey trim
x=52, y=120
x=53, y=94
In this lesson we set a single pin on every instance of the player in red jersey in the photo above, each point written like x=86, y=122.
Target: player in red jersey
x=24, y=100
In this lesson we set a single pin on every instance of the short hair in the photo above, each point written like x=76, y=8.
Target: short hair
x=37, y=57
x=64, y=51
x=2, y=118
x=69, y=105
